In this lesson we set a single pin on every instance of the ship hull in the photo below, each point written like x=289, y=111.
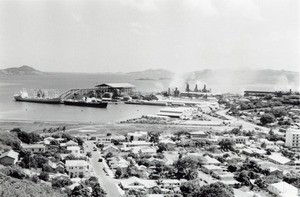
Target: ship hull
x=38, y=100
x=85, y=104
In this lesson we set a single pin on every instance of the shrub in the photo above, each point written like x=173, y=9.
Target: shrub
x=44, y=176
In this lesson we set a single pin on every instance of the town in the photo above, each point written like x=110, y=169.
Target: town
x=228, y=145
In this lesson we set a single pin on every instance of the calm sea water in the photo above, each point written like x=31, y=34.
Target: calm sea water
x=11, y=110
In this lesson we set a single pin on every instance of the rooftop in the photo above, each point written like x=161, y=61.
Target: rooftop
x=117, y=85
x=80, y=163
x=11, y=154
x=32, y=146
x=278, y=158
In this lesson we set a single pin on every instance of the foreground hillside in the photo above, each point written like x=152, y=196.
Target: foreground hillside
x=11, y=187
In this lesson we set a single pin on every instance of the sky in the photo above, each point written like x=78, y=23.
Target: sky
x=131, y=35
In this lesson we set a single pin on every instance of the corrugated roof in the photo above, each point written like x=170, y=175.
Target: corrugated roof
x=11, y=154
x=117, y=85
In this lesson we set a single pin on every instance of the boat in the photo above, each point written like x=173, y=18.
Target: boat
x=40, y=96
x=86, y=103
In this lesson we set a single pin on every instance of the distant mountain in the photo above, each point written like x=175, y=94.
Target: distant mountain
x=155, y=74
x=23, y=70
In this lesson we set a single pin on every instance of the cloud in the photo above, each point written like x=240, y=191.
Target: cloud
x=245, y=8
x=76, y=17
x=141, y=5
x=141, y=29
x=205, y=6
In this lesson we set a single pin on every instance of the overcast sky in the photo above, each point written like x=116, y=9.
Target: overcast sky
x=130, y=35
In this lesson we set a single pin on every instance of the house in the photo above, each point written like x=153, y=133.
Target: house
x=111, y=149
x=137, y=143
x=211, y=161
x=199, y=135
x=35, y=148
x=267, y=142
x=69, y=143
x=147, y=151
x=292, y=138
x=139, y=135
x=240, y=139
x=75, y=168
x=57, y=167
x=103, y=139
x=134, y=183
x=211, y=168
x=283, y=189
x=170, y=183
x=123, y=88
x=9, y=158
x=278, y=159
x=275, y=171
x=118, y=162
x=74, y=150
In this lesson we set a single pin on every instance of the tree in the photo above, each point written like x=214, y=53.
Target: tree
x=279, y=112
x=79, y=141
x=226, y=145
x=44, y=176
x=98, y=191
x=217, y=189
x=232, y=168
x=89, y=154
x=244, y=178
x=261, y=183
x=80, y=190
x=187, y=167
x=15, y=172
x=187, y=188
x=118, y=173
x=267, y=118
x=60, y=182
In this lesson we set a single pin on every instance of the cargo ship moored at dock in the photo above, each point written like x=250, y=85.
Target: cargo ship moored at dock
x=39, y=97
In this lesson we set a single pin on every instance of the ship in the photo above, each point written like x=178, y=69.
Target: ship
x=39, y=96
x=86, y=103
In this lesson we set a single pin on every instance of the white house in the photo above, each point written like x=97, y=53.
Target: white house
x=111, y=149
x=278, y=159
x=283, y=189
x=199, y=135
x=35, y=148
x=77, y=167
x=74, y=150
x=292, y=138
x=134, y=183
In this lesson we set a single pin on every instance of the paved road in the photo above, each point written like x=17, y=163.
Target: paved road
x=105, y=181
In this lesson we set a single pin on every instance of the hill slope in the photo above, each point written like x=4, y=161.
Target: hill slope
x=22, y=70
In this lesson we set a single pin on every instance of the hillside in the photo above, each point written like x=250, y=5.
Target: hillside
x=22, y=70
x=11, y=187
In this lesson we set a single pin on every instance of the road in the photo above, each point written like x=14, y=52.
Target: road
x=246, y=125
x=106, y=182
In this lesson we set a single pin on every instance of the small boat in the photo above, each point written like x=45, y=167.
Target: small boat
x=39, y=97
x=86, y=103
